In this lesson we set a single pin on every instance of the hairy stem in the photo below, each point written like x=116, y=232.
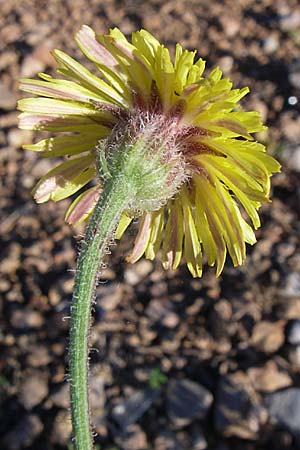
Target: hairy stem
x=99, y=232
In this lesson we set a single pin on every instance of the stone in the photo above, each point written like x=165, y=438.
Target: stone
x=292, y=353
x=231, y=25
x=38, y=33
x=7, y=58
x=11, y=259
x=39, y=356
x=129, y=411
x=34, y=390
x=31, y=66
x=61, y=396
x=237, y=409
x=97, y=394
x=160, y=311
x=226, y=63
x=290, y=125
x=294, y=78
x=284, y=409
x=292, y=332
x=288, y=308
x=16, y=138
x=290, y=21
x=23, y=434
x=186, y=401
x=62, y=428
x=268, y=378
x=167, y=440
x=260, y=106
x=291, y=158
x=198, y=439
x=270, y=44
x=134, y=439
x=133, y=275
x=26, y=319
x=109, y=296
x=292, y=283
x=268, y=337
x=7, y=98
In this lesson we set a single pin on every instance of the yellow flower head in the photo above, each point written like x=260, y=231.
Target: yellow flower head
x=192, y=124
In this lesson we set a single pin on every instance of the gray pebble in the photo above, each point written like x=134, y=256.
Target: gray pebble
x=284, y=409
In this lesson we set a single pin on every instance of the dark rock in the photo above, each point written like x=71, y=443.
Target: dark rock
x=23, y=434
x=221, y=446
x=198, y=439
x=131, y=410
x=237, y=410
x=284, y=409
x=187, y=400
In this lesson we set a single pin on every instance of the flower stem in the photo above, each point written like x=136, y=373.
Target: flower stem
x=100, y=230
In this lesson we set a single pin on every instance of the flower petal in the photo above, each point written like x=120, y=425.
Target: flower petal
x=124, y=222
x=172, y=244
x=249, y=156
x=65, y=145
x=107, y=64
x=183, y=64
x=204, y=233
x=196, y=71
x=205, y=197
x=157, y=226
x=137, y=68
x=42, y=105
x=55, y=88
x=247, y=190
x=192, y=248
x=164, y=77
x=82, y=207
x=146, y=44
x=73, y=69
x=91, y=47
x=65, y=179
x=141, y=240
x=51, y=122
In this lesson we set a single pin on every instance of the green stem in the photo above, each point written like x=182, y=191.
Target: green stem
x=113, y=201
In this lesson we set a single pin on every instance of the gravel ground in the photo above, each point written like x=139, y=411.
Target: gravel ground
x=177, y=363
